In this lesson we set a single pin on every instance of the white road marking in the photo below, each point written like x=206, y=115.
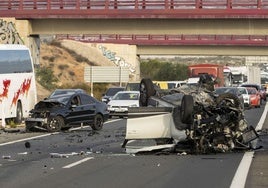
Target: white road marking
x=44, y=135
x=30, y=138
x=240, y=177
x=261, y=122
x=78, y=162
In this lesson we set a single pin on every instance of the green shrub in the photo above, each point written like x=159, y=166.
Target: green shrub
x=163, y=71
x=46, y=77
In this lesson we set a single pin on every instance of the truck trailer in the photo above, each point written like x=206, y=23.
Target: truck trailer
x=245, y=74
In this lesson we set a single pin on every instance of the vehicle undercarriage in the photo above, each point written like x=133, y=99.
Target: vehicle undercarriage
x=192, y=116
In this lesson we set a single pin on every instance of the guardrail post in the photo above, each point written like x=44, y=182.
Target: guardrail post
x=136, y=4
x=259, y=4
x=115, y=4
x=229, y=4
x=48, y=4
x=35, y=5
x=107, y=4
x=198, y=4
x=78, y=5
x=9, y=5
x=171, y=4
x=143, y=4
x=88, y=4
x=21, y=5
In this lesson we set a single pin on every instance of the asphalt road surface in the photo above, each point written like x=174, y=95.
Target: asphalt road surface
x=85, y=158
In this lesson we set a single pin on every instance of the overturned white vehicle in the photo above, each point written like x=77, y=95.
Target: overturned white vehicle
x=191, y=118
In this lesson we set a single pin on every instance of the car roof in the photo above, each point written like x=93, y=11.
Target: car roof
x=66, y=92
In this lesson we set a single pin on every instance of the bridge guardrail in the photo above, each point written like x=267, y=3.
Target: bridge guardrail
x=244, y=40
x=140, y=8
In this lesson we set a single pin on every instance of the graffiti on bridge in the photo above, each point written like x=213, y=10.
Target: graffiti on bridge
x=118, y=61
x=8, y=33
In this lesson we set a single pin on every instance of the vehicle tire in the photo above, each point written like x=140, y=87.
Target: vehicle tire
x=55, y=124
x=186, y=109
x=19, y=116
x=146, y=91
x=98, y=122
x=236, y=102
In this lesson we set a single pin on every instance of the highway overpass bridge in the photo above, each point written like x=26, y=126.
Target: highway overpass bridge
x=156, y=27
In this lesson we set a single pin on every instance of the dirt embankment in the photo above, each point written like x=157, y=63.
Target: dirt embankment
x=68, y=67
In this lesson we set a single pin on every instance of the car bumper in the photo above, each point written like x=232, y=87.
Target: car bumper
x=118, y=111
x=36, y=123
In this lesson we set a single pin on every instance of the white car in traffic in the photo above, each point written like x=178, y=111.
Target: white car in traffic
x=119, y=104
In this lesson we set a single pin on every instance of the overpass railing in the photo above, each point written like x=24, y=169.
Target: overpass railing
x=232, y=40
x=139, y=8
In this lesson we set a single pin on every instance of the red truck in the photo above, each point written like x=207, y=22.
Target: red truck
x=215, y=70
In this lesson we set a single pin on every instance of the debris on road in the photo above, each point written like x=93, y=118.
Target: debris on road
x=27, y=144
x=6, y=157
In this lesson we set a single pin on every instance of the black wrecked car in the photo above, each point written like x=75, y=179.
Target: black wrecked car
x=63, y=111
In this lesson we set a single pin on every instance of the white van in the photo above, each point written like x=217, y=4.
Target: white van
x=175, y=84
x=17, y=83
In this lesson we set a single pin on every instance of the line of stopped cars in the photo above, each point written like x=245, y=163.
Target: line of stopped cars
x=191, y=118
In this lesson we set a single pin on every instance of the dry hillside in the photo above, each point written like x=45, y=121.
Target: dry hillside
x=68, y=67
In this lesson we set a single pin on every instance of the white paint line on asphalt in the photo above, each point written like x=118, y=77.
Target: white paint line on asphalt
x=30, y=138
x=261, y=122
x=240, y=177
x=78, y=162
x=44, y=135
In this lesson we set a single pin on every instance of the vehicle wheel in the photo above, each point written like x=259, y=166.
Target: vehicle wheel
x=226, y=97
x=187, y=108
x=146, y=91
x=55, y=124
x=18, y=118
x=98, y=122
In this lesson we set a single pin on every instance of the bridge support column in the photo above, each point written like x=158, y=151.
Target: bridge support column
x=19, y=32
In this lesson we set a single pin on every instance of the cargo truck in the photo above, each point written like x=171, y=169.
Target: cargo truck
x=245, y=74
x=214, y=70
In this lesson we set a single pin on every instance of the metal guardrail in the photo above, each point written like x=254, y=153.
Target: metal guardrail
x=139, y=8
x=243, y=40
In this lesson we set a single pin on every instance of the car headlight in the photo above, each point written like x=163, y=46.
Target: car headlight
x=133, y=105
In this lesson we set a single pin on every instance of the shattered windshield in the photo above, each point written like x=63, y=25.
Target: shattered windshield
x=61, y=99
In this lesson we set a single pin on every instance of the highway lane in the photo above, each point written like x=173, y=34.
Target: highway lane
x=84, y=158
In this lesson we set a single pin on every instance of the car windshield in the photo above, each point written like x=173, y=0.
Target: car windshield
x=225, y=90
x=242, y=90
x=255, y=86
x=64, y=99
x=126, y=96
x=252, y=91
x=58, y=92
x=113, y=91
